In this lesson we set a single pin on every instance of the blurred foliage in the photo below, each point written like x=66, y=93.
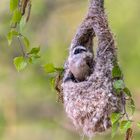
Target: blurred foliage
x=28, y=107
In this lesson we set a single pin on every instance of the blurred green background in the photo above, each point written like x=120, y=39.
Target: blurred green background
x=28, y=107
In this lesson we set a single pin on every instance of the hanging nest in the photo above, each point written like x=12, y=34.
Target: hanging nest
x=90, y=103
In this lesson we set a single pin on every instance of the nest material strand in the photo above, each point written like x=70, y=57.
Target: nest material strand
x=90, y=103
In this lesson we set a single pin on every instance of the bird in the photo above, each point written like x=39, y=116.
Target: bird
x=80, y=63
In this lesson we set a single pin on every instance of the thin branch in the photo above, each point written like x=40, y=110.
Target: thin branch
x=100, y=23
x=85, y=34
x=29, y=11
x=21, y=46
x=124, y=107
x=95, y=23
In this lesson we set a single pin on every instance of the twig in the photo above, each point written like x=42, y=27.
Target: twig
x=21, y=46
x=124, y=108
x=29, y=11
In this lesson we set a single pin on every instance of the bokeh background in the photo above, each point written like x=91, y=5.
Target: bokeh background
x=28, y=107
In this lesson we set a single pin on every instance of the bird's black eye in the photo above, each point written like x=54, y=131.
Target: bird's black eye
x=77, y=51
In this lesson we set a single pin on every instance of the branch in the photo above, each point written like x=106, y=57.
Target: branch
x=85, y=34
x=95, y=23
x=100, y=23
x=22, y=47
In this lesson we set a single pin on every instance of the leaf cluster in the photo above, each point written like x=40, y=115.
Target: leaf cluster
x=120, y=89
x=18, y=21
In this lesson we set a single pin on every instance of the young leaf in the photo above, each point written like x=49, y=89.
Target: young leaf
x=115, y=127
x=34, y=50
x=116, y=72
x=132, y=105
x=49, y=68
x=20, y=63
x=124, y=125
x=127, y=92
x=32, y=59
x=138, y=124
x=26, y=42
x=10, y=36
x=13, y=5
x=61, y=69
x=22, y=23
x=16, y=16
x=52, y=82
x=118, y=84
x=115, y=117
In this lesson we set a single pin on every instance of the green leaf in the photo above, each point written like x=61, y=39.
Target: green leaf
x=20, y=63
x=10, y=36
x=124, y=125
x=13, y=5
x=119, y=84
x=49, y=68
x=115, y=117
x=115, y=127
x=132, y=105
x=16, y=16
x=116, y=72
x=22, y=24
x=138, y=124
x=33, y=54
x=52, y=82
x=127, y=92
x=33, y=59
x=26, y=42
x=61, y=69
x=34, y=50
